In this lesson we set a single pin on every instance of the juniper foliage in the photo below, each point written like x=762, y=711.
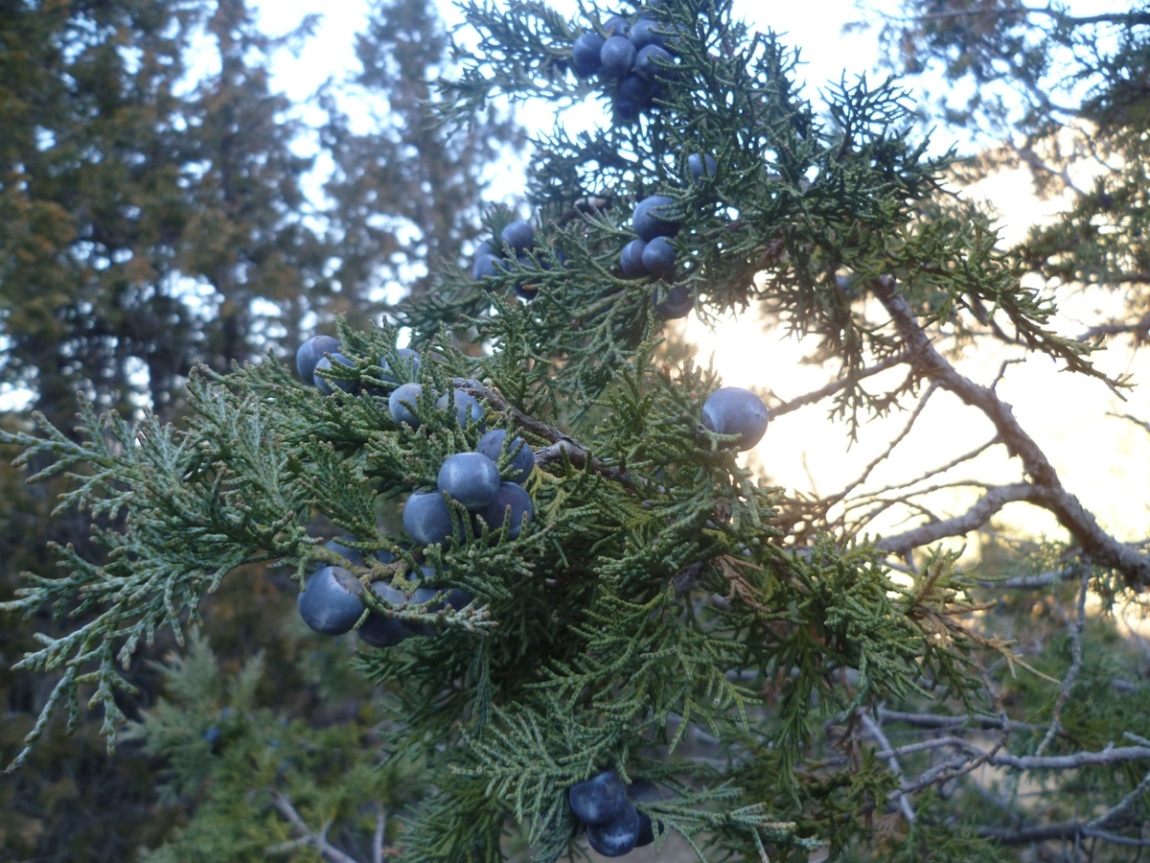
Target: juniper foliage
x=657, y=618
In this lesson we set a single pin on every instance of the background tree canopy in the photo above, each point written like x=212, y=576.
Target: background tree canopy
x=878, y=672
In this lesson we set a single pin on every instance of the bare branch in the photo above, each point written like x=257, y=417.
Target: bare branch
x=319, y=840
x=1047, y=490
x=1140, y=327
x=1041, y=579
x=1109, y=755
x=971, y=520
x=1122, y=808
x=836, y=386
x=875, y=731
x=922, y=746
x=378, y=836
x=933, y=720
x=1140, y=423
x=1075, y=665
x=885, y=454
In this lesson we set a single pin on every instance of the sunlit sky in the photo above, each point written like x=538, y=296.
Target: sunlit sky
x=1105, y=461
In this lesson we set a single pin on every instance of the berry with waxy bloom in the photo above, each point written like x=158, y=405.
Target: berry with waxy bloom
x=470, y=478
x=736, y=411
x=311, y=352
x=617, y=57
x=599, y=799
x=427, y=517
x=618, y=836
x=651, y=218
x=585, y=54
x=512, y=505
x=522, y=456
x=402, y=404
x=330, y=601
x=327, y=386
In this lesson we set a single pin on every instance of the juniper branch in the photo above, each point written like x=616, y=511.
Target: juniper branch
x=1045, y=490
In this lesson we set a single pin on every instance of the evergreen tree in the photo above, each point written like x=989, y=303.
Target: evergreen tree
x=249, y=238
x=405, y=194
x=126, y=198
x=89, y=196
x=761, y=676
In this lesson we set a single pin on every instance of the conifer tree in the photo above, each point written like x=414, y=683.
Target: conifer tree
x=763, y=677
x=126, y=199
x=406, y=193
x=248, y=237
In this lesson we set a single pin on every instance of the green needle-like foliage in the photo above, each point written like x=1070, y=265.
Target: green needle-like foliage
x=654, y=618
x=589, y=641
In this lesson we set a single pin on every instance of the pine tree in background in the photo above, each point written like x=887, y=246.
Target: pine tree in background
x=132, y=206
x=766, y=678
x=406, y=193
x=248, y=238
x=92, y=208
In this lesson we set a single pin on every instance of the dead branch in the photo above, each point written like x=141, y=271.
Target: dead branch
x=1044, y=490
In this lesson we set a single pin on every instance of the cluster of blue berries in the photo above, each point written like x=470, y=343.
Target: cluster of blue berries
x=322, y=353
x=473, y=480
x=651, y=254
x=331, y=602
x=518, y=237
x=614, y=826
x=634, y=56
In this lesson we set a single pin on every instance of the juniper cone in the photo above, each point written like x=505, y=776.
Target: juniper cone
x=616, y=25
x=650, y=62
x=646, y=833
x=470, y=478
x=380, y=630
x=353, y=555
x=636, y=89
x=407, y=365
x=585, y=54
x=466, y=407
x=330, y=602
x=646, y=31
x=427, y=518
x=631, y=259
x=619, y=835
x=659, y=257
x=599, y=799
x=701, y=165
x=519, y=235
x=674, y=303
x=652, y=218
x=328, y=386
x=511, y=505
x=616, y=57
x=311, y=352
x=736, y=411
x=403, y=403
x=494, y=443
